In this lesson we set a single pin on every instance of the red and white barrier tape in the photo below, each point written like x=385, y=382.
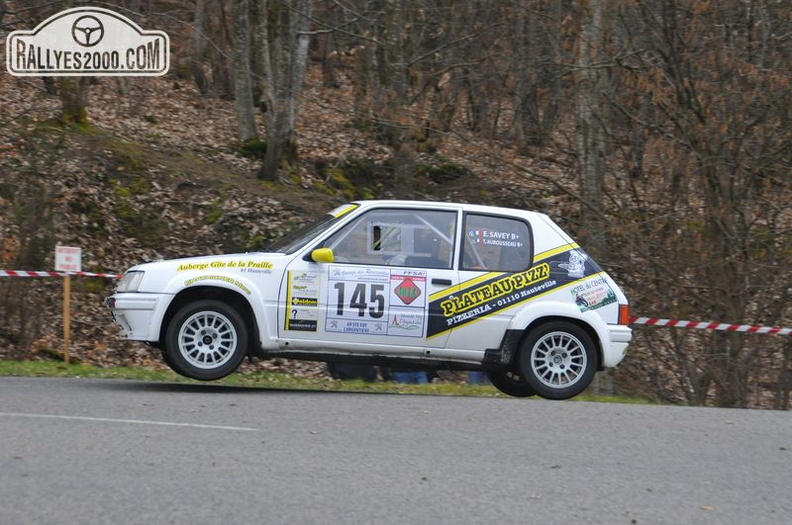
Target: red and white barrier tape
x=26, y=273
x=746, y=328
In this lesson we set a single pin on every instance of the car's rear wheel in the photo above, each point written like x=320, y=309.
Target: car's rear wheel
x=206, y=340
x=510, y=383
x=558, y=360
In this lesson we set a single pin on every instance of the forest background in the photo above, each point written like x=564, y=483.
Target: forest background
x=656, y=132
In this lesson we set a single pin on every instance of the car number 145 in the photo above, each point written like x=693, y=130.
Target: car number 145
x=357, y=300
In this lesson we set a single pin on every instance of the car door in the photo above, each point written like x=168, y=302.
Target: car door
x=495, y=270
x=375, y=294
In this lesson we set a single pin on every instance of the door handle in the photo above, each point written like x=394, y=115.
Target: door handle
x=446, y=282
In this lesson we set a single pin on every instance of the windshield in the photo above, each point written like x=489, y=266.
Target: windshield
x=293, y=241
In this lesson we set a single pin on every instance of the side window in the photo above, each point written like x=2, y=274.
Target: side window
x=390, y=237
x=496, y=244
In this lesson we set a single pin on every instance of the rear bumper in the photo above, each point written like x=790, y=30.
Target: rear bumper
x=614, y=352
x=138, y=315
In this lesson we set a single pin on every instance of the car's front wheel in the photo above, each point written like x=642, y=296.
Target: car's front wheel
x=206, y=340
x=558, y=360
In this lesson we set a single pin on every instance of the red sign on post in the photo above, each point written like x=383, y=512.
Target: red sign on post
x=68, y=259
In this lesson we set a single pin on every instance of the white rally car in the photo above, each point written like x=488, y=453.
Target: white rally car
x=426, y=285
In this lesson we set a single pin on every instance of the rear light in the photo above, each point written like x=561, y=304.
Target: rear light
x=624, y=314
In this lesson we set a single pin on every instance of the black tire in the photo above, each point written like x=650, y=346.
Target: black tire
x=510, y=383
x=206, y=340
x=166, y=358
x=558, y=360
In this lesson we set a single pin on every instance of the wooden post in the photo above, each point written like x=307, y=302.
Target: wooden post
x=67, y=259
x=66, y=318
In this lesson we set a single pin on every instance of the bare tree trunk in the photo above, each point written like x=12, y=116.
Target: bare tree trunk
x=262, y=60
x=442, y=111
x=243, y=91
x=525, y=104
x=199, y=47
x=301, y=27
x=397, y=119
x=289, y=58
x=535, y=67
x=222, y=73
x=74, y=97
x=368, y=87
x=590, y=132
x=328, y=50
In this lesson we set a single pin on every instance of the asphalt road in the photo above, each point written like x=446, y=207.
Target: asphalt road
x=79, y=451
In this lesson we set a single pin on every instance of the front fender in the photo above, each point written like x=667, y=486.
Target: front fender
x=250, y=290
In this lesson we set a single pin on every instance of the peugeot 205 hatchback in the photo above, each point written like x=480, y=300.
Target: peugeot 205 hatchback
x=399, y=283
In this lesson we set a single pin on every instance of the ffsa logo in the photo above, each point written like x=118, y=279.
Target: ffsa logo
x=87, y=41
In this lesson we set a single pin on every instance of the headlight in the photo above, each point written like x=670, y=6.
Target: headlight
x=130, y=281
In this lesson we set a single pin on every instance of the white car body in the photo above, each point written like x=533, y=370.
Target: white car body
x=426, y=286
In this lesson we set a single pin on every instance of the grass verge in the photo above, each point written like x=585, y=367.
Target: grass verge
x=268, y=380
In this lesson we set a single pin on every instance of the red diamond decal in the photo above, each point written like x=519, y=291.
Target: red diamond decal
x=407, y=291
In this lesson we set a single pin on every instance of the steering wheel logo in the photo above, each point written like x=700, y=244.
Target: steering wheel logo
x=87, y=31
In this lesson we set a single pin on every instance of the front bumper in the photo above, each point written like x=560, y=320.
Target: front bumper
x=138, y=315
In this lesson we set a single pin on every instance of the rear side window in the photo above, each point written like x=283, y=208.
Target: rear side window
x=496, y=244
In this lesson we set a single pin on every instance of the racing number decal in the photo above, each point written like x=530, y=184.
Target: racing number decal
x=379, y=301
x=358, y=299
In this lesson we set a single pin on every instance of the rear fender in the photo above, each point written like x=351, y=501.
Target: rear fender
x=534, y=314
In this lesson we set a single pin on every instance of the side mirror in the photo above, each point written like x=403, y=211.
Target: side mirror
x=322, y=255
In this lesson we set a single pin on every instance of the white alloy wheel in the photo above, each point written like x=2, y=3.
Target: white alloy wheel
x=207, y=340
x=558, y=359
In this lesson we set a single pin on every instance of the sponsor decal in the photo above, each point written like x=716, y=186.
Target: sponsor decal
x=261, y=265
x=479, y=298
x=87, y=41
x=406, y=323
x=407, y=291
x=302, y=300
x=303, y=325
x=592, y=294
x=494, y=289
x=223, y=278
x=576, y=264
x=359, y=274
x=195, y=266
x=245, y=266
x=356, y=327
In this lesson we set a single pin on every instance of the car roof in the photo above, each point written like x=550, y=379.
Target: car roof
x=477, y=208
